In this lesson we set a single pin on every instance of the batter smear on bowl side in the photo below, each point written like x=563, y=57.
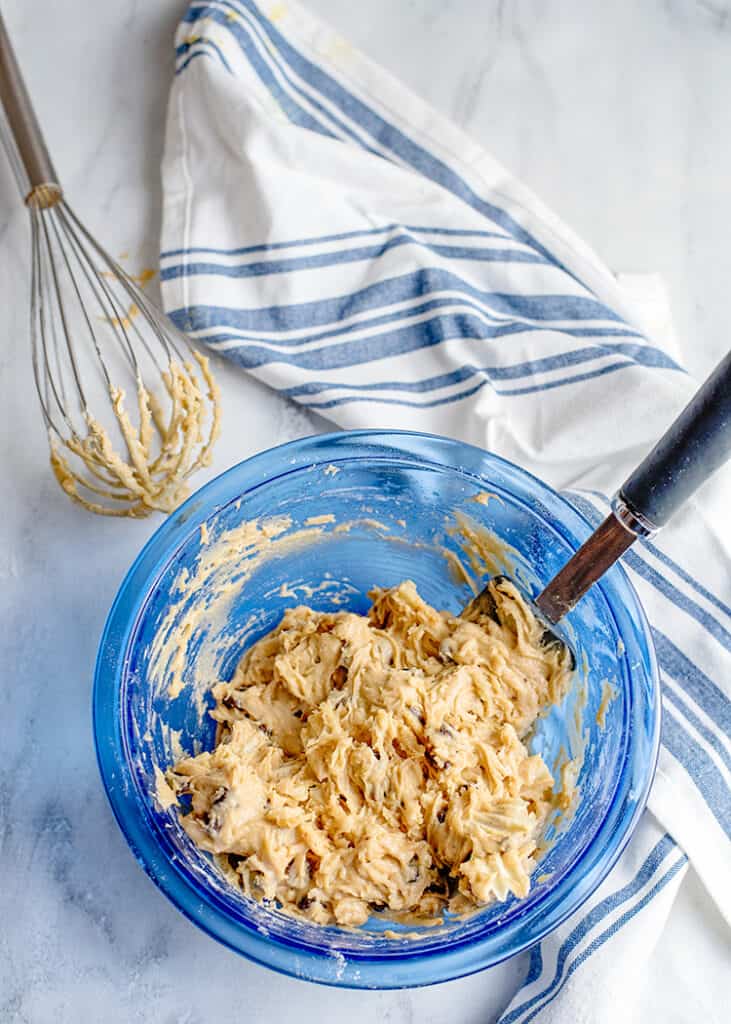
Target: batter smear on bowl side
x=379, y=762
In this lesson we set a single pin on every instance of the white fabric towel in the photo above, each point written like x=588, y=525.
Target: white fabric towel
x=340, y=240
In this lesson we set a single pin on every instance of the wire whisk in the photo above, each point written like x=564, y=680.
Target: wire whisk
x=130, y=408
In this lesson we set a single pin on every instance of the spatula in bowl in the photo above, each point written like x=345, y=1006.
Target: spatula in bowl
x=696, y=444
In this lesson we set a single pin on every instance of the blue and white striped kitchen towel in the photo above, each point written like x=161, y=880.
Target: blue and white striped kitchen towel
x=331, y=233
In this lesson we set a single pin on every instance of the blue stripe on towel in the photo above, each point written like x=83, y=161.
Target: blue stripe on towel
x=414, y=284
x=339, y=236
x=265, y=62
x=279, y=54
x=678, y=598
x=700, y=768
x=187, y=46
x=262, y=67
x=659, y=853
x=686, y=577
x=640, y=354
x=503, y=392
x=194, y=53
x=464, y=327
x=683, y=707
x=699, y=687
x=528, y=368
x=360, y=351
x=312, y=261
x=381, y=131
x=611, y=932
x=535, y=967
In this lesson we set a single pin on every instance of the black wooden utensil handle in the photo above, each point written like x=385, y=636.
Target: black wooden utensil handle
x=697, y=443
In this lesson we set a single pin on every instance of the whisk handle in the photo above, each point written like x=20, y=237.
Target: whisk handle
x=21, y=134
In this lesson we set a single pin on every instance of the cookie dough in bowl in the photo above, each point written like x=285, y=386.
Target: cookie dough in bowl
x=291, y=542
x=379, y=763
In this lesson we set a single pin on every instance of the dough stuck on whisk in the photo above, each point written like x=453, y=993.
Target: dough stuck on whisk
x=160, y=453
x=128, y=449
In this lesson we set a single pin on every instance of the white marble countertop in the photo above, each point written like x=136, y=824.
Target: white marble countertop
x=617, y=115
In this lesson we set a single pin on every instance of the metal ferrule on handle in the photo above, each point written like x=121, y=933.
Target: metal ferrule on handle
x=21, y=133
x=631, y=519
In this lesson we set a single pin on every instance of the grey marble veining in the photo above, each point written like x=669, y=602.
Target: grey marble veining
x=616, y=114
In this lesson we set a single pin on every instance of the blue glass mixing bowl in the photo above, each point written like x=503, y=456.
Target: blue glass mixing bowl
x=351, y=511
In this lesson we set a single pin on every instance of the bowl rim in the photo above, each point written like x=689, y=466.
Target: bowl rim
x=360, y=970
